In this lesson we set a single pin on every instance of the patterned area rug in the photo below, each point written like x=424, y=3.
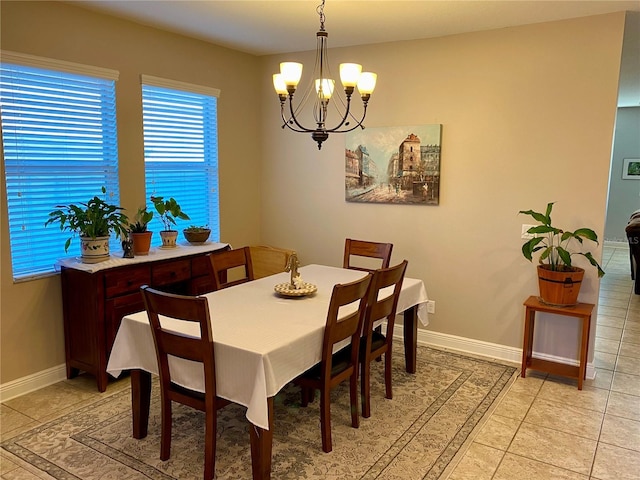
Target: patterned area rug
x=414, y=436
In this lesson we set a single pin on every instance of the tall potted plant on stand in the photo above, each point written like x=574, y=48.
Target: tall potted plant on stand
x=93, y=221
x=559, y=281
x=139, y=232
x=169, y=211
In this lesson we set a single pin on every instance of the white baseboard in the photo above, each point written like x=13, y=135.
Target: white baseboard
x=503, y=353
x=483, y=349
x=33, y=382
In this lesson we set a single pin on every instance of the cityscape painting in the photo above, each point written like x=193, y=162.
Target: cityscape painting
x=393, y=165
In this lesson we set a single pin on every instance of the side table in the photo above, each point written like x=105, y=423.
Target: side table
x=581, y=311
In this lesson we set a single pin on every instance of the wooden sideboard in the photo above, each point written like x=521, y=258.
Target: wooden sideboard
x=96, y=297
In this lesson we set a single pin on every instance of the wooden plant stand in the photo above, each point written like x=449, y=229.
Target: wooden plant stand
x=581, y=311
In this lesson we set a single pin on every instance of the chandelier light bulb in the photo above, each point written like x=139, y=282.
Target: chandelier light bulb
x=367, y=83
x=324, y=88
x=279, y=84
x=349, y=74
x=291, y=73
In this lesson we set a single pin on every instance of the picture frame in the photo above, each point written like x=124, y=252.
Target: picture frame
x=396, y=165
x=631, y=169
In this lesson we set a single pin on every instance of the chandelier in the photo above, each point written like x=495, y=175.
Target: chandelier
x=322, y=90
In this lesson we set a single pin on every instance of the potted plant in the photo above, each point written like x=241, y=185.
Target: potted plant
x=195, y=234
x=559, y=281
x=169, y=211
x=138, y=230
x=93, y=221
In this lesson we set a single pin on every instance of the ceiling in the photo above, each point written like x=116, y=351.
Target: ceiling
x=280, y=26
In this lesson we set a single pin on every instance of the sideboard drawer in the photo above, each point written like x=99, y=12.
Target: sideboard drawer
x=201, y=266
x=126, y=280
x=171, y=272
x=115, y=309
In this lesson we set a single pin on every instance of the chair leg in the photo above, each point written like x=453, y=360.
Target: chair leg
x=165, y=438
x=210, y=444
x=325, y=419
x=379, y=330
x=365, y=387
x=355, y=417
x=387, y=373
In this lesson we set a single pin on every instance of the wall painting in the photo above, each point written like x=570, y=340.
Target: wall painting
x=393, y=165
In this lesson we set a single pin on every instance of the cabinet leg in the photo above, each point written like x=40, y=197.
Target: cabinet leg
x=102, y=379
x=72, y=372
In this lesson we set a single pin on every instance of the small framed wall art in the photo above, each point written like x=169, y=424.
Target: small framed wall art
x=631, y=169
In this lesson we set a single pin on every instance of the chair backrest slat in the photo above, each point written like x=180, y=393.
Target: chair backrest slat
x=362, y=248
x=223, y=262
x=378, y=309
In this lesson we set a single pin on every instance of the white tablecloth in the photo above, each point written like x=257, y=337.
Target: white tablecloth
x=262, y=341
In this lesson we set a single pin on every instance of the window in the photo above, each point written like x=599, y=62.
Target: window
x=181, y=149
x=60, y=146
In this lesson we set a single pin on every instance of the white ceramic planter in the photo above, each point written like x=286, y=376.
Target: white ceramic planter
x=94, y=250
x=169, y=238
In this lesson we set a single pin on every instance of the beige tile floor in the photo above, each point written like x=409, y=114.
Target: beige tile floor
x=543, y=429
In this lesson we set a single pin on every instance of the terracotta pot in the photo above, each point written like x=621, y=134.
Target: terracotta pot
x=94, y=250
x=169, y=238
x=141, y=242
x=560, y=288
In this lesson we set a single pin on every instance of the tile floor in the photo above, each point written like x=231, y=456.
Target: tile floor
x=544, y=428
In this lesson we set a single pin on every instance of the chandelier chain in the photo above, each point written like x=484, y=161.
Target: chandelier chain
x=320, y=11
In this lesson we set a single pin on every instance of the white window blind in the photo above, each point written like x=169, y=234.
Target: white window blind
x=60, y=147
x=181, y=150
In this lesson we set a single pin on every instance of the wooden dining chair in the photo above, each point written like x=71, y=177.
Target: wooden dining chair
x=187, y=309
x=231, y=267
x=370, y=250
x=333, y=370
x=269, y=260
x=374, y=343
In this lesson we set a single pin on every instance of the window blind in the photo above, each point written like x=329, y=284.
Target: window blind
x=181, y=153
x=60, y=147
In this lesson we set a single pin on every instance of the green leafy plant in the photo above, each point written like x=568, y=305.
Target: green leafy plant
x=95, y=218
x=553, y=243
x=196, y=229
x=141, y=220
x=169, y=211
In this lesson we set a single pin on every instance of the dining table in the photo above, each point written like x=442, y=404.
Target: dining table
x=262, y=341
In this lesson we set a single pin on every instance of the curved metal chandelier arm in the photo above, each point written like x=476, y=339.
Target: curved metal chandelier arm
x=294, y=119
x=358, y=124
x=336, y=129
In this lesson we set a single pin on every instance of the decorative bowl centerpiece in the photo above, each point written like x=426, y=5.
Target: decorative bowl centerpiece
x=296, y=287
x=196, y=235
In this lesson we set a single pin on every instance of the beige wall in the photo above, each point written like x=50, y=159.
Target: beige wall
x=31, y=312
x=527, y=116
